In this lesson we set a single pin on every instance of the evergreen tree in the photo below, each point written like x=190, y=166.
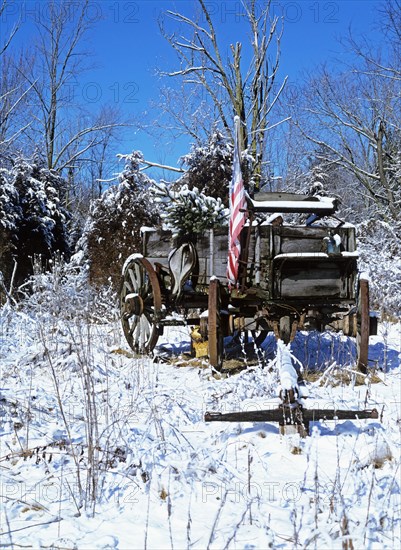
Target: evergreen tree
x=33, y=222
x=209, y=167
x=10, y=218
x=113, y=228
x=187, y=211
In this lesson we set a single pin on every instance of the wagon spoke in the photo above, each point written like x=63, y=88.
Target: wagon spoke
x=145, y=330
x=133, y=279
x=135, y=320
x=127, y=287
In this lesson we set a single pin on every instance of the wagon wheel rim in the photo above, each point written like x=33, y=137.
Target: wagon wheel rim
x=140, y=305
x=362, y=337
x=215, y=334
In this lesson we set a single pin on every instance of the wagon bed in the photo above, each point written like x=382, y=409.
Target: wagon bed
x=291, y=277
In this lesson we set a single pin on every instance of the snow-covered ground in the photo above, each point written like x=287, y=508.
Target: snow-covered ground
x=100, y=449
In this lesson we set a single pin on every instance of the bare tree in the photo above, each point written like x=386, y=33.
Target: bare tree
x=5, y=43
x=13, y=99
x=389, y=64
x=232, y=89
x=177, y=102
x=96, y=164
x=58, y=61
x=13, y=91
x=353, y=117
x=350, y=116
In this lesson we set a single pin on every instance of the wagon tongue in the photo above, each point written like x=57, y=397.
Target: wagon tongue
x=291, y=418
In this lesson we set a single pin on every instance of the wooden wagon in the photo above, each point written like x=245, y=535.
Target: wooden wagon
x=292, y=277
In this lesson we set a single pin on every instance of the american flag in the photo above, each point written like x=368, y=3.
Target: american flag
x=237, y=218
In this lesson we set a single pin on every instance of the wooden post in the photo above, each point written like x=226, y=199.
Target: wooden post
x=245, y=253
x=363, y=328
x=211, y=253
x=257, y=255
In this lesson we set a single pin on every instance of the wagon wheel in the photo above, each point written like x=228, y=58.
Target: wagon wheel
x=362, y=315
x=215, y=333
x=140, y=304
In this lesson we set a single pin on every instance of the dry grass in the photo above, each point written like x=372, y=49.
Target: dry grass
x=340, y=376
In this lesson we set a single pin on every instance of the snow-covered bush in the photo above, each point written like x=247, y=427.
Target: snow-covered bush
x=187, y=212
x=112, y=231
x=325, y=178
x=379, y=245
x=32, y=219
x=63, y=292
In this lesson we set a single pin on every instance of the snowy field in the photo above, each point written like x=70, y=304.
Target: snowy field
x=101, y=449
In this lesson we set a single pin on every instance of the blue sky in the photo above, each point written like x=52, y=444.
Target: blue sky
x=128, y=49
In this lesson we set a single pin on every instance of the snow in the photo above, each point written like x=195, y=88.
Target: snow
x=130, y=259
x=101, y=448
x=323, y=204
x=145, y=229
x=288, y=374
x=131, y=296
x=314, y=255
x=188, y=210
x=271, y=218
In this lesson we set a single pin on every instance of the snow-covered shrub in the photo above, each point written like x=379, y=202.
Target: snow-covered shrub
x=32, y=219
x=187, y=212
x=60, y=291
x=112, y=231
x=379, y=245
x=209, y=167
x=315, y=181
x=63, y=292
x=325, y=178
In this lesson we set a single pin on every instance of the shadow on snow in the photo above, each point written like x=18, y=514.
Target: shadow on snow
x=314, y=350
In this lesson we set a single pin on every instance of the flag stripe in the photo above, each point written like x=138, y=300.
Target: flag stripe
x=237, y=218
